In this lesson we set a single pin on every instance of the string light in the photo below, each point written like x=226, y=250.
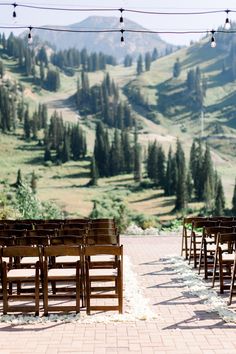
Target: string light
x=14, y=10
x=213, y=42
x=121, y=18
x=122, y=39
x=30, y=39
x=227, y=25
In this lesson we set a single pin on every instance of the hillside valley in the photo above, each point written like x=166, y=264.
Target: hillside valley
x=164, y=110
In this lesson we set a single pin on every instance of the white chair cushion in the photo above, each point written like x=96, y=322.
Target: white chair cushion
x=109, y=272
x=62, y=272
x=102, y=258
x=29, y=260
x=67, y=259
x=21, y=273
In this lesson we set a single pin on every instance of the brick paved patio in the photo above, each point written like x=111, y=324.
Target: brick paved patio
x=183, y=324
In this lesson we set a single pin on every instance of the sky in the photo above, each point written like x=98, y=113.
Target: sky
x=31, y=17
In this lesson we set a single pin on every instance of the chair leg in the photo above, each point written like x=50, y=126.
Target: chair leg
x=190, y=248
x=214, y=269
x=120, y=291
x=232, y=282
x=200, y=256
x=87, y=291
x=37, y=292
x=4, y=289
x=205, y=259
x=45, y=292
x=78, y=291
x=221, y=274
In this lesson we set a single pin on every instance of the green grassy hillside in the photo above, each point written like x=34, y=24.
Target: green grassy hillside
x=66, y=184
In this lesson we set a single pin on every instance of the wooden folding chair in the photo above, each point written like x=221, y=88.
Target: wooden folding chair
x=65, y=276
x=103, y=276
x=186, y=234
x=21, y=276
x=232, y=286
x=208, y=247
x=196, y=238
x=224, y=258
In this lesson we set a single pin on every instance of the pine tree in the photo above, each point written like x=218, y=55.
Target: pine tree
x=180, y=202
x=137, y=158
x=220, y=199
x=127, y=152
x=168, y=190
x=27, y=129
x=47, y=154
x=147, y=61
x=139, y=68
x=116, y=157
x=101, y=151
x=161, y=160
x=19, y=182
x=154, y=54
x=234, y=200
x=65, y=155
x=93, y=173
x=176, y=68
x=207, y=177
x=33, y=182
x=127, y=61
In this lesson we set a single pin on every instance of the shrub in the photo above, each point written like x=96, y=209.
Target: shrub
x=145, y=221
x=112, y=206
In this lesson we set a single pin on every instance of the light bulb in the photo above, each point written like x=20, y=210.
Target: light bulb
x=122, y=25
x=30, y=39
x=227, y=24
x=122, y=41
x=213, y=42
x=14, y=12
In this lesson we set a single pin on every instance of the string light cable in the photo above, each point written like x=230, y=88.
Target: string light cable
x=227, y=24
x=56, y=8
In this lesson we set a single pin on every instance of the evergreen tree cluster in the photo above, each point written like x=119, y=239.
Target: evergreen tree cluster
x=136, y=97
x=200, y=182
x=63, y=142
x=148, y=59
x=8, y=109
x=103, y=101
x=73, y=58
x=113, y=157
x=17, y=48
x=33, y=124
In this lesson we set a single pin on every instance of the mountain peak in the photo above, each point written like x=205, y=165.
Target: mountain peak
x=108, y=43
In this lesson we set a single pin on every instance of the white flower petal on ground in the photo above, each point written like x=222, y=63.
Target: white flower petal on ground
x=198, y=288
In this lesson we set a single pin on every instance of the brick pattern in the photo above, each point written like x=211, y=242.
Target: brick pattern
x=183, y=324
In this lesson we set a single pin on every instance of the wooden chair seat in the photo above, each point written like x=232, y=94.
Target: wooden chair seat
x=102, y=273
x=67, y=259
x=15, y=274
x=28, y=260
x=62, y=273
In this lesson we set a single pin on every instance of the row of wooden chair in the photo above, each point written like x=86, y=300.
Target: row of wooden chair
x=31, y=224
x=77, y=278
x=211, y=243
x=61, y=251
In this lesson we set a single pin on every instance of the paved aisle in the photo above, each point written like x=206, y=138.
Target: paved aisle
x=183, y=324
